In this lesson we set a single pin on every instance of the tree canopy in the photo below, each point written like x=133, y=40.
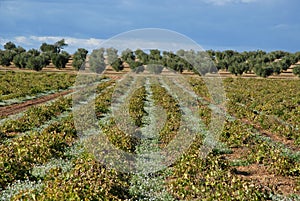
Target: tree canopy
x=259, y=62
x=79, y=58
x=96, y=60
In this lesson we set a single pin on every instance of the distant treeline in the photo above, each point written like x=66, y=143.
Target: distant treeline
x=261, y=63
x=37, y=59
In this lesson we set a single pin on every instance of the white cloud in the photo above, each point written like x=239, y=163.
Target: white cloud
x=224, y=2
x=46, y=39
x=138, y=39
x=36, y=41
x=3, y=41
x=22, y=40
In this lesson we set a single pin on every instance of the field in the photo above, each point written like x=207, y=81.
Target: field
x=46, y=152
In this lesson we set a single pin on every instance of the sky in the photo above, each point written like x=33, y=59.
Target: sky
x=241, y=25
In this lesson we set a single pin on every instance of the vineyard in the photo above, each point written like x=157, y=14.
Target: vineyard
x=47, y=153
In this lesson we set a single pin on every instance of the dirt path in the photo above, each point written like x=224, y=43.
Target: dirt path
x=274, y=137
x=289, y=143
x=259, y=174
x=16, y=108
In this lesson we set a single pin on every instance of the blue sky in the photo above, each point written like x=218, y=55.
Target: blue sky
x=214, y=24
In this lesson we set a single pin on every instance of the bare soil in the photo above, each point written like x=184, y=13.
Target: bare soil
x=16, y=108
x=110, y=72
x=259, y=174
x=275, y=138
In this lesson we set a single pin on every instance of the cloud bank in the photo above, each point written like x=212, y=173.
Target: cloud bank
x=121, y=42
x=29, y=42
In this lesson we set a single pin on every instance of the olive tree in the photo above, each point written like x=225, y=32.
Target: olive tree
x=79, y=58
x=296, y=70
x=59, y=45
x=60, y=59
x=35, y=63
x=9, y=46
x=117, y=65
x=6, y=57
x=20, y=60
x=96, y=61
x=112, y=55
x=48, y=48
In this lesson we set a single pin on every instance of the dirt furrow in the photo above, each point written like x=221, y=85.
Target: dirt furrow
x=16, y=108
